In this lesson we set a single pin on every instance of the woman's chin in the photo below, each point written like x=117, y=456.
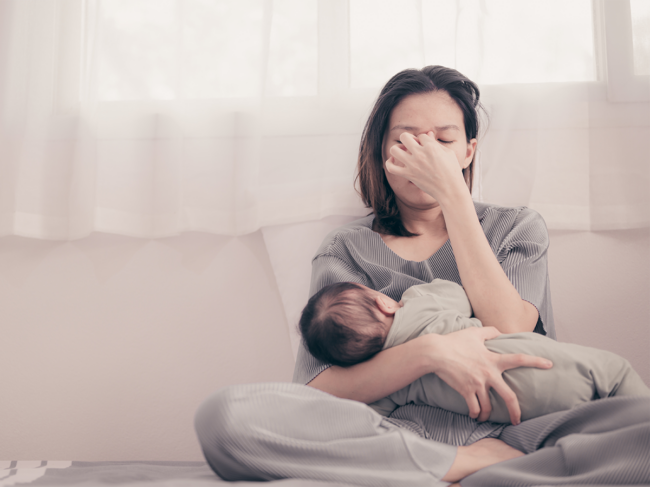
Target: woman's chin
x=419, y=198
x=419, y=204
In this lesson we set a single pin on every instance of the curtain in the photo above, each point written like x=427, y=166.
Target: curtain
x=150, y=118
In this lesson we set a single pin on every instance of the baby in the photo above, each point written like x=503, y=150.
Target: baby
x=346, y=323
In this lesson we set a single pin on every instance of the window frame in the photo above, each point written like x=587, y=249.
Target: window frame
x=613, y=30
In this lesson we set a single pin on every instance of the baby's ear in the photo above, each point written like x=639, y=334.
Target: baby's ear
x=386, y=305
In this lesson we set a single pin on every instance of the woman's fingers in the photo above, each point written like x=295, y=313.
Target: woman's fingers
x=486, y=405
x=410, y=141
x=510, y=399
x=393, y=168
x=512, y=361
x=399, y=155
x=473, y=405
x=398, y=162
x=487, y=332
x=416, y=144
x=425, y=138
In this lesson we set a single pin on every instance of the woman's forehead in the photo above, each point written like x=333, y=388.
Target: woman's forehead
x=422, y=112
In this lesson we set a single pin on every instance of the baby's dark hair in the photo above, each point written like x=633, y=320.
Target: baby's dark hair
x=340, y=325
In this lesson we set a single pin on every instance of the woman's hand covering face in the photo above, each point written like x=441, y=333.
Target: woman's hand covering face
x=426, y=147
x=427, y=163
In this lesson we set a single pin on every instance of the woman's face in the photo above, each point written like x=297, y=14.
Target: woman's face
x=419, y=114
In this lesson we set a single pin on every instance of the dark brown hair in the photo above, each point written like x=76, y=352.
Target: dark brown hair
x=371, y=179
x=340, y=325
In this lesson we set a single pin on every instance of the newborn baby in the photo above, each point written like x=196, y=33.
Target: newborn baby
x=346, y=323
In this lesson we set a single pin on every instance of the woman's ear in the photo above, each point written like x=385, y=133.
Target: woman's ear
x=385, y=305
x=469, y=155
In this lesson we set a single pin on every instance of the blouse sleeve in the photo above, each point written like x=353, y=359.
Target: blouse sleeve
x=326, y=270
x=523, y=257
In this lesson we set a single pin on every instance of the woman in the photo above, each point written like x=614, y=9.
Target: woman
x=428, y=121
x=415, y=172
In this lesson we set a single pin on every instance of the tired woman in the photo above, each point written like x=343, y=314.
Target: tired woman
x=415, y=172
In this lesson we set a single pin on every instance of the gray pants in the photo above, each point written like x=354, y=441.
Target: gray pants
x=282, y=430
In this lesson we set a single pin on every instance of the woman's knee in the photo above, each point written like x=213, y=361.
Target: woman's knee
x=232, y=412
x=230, y=425
x=220, y=430
x=213, y=419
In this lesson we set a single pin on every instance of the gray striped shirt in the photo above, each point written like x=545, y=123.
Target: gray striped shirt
x=354, y=252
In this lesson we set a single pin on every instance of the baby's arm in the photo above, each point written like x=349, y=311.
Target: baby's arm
x=441, y=307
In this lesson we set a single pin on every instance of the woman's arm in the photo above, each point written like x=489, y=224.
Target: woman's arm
x=385, y=373
x=459, y=358
x=494, y=299
x=434, y=168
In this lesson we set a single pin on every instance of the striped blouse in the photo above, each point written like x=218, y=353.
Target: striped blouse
x=354, y=252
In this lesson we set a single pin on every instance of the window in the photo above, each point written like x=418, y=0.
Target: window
x=205, y=49
x=490, y=41
x=640, y=13
x=153, y=117
x=627, y=36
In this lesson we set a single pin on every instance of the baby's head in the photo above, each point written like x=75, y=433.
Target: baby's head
x=346, y=323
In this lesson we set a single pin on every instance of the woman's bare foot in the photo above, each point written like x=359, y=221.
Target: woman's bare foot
x=476, y=456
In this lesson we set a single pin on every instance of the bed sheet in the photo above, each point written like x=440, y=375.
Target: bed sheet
x=138, y=474
x=125, y=474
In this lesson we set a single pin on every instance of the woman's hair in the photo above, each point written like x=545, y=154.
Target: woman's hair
x=372, y=183
x=340, y=325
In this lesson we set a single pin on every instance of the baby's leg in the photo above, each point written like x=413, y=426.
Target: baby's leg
x=622, y=380
x=611, y=374
x=579, y=374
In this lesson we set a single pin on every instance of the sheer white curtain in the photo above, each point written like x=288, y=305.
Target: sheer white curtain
x=153, y=117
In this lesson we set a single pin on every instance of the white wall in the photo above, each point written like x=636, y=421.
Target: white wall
x=110, y=343
x=600, y=284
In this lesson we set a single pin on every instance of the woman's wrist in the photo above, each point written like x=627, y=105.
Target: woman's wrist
x=429, y=353
x=454, y=196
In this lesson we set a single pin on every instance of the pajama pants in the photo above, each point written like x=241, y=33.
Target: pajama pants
x=281, y=430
